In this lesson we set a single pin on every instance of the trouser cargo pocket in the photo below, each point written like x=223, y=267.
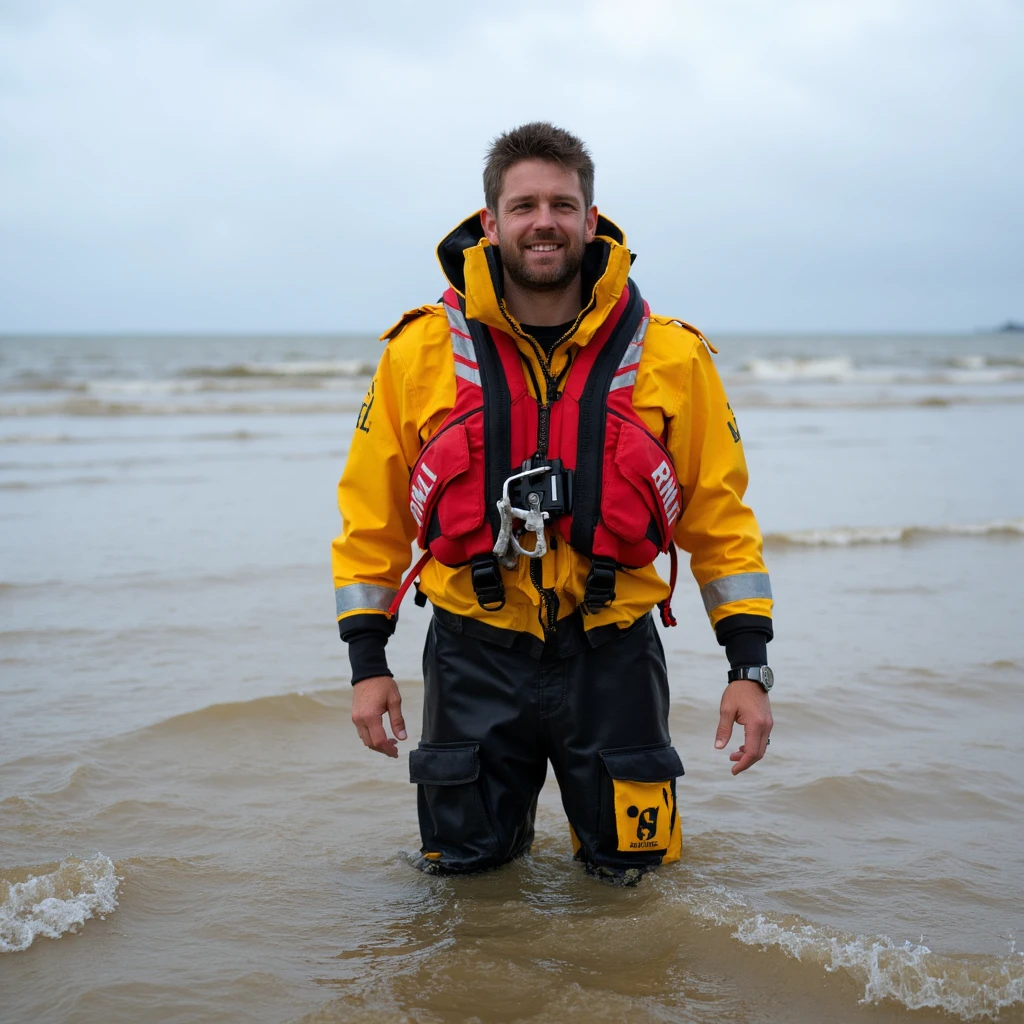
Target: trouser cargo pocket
x=642, y=801
x=455, y=824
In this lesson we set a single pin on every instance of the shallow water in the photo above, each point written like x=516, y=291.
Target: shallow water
x=190, y=830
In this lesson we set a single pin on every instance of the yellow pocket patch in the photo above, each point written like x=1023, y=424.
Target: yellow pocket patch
x=644, y=814
x=675, y=844
x=576, y=844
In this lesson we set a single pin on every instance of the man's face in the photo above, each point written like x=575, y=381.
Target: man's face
x=541, y=225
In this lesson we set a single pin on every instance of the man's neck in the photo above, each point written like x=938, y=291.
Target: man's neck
x=544, y=309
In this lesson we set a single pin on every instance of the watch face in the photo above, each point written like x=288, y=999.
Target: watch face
x=767, y=678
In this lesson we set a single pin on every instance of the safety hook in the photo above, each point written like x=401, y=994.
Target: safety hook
x=532, y=517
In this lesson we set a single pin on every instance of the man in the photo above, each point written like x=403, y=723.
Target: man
x=543, y=436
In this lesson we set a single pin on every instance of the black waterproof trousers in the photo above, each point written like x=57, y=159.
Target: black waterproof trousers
x=499, y=705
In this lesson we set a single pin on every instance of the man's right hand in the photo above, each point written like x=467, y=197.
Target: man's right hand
x=371, y=699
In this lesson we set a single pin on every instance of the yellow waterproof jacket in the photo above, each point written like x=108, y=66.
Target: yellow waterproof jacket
x=677, y=393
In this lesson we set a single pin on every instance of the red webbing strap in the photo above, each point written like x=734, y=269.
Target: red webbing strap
x=407, y=582
x=665, y=607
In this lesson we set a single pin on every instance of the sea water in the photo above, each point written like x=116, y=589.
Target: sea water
x=190, y=829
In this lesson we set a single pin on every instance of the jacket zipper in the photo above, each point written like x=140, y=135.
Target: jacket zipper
x=548, y=597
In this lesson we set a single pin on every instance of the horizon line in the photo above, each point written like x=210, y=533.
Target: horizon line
x=1009, y=327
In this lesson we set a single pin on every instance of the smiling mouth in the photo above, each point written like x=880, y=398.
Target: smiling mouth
x=544, y=247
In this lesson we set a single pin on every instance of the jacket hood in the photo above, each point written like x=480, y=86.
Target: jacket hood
x=451, y=251
x=473, y=268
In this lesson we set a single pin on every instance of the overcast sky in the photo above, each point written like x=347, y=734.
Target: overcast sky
x=280, y=165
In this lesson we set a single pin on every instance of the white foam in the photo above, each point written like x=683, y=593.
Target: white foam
x=792, y=369
x=968, y=362
x=977, y=362
x=961, y=370
x=36, y=439
x=291, y=368
x=840, y=537
x=846, y=536
x=981, y=375
x=275, y=405
x=970, y=987
x=336, y=368
x=143, y=387
x=54, y=904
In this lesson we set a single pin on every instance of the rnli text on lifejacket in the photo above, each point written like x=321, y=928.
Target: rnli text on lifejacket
x=667, y=491
x=420, y=491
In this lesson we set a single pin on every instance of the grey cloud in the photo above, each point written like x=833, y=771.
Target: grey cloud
x=280, y=166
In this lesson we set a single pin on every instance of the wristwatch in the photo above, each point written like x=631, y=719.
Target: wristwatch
x=761, y=674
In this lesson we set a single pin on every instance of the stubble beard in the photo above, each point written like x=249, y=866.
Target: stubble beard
x=547, y=279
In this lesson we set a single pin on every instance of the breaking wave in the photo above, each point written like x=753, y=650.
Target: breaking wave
x=37, y=439
x=847, y=536
x=295, y=368
x=979, y=362
x=98, y=407
x=61, y=901
x=792, y=369
x=970, y=987
x=959, y=370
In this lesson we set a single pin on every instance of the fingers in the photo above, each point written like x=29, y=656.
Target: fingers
x=725, y=720
x=395, y=714
x=371, y=699
x=745, y=702
x=379, y=739
x=743, y=760
x=755, y=743
x=371, y=732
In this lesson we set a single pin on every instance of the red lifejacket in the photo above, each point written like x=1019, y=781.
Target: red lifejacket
x=626, y=497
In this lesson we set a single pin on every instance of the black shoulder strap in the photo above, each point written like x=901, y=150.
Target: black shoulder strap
x=586, y=504
x=497, y=417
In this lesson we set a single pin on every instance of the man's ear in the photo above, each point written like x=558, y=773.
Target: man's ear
x=591, y=224
x=490, y=224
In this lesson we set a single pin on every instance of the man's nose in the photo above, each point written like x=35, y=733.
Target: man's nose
x=545, y=216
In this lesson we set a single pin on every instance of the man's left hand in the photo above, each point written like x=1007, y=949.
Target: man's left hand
x=744, y=701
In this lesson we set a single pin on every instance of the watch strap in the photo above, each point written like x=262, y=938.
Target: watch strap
x=760, y=674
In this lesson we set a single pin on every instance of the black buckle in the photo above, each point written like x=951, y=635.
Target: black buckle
x=487, y=584
x=600, y=589
x=553, y=489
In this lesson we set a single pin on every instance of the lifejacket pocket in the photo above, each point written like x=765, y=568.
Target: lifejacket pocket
x=639, y=485
x=448, y=480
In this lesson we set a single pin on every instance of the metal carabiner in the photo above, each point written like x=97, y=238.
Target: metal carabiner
x=532, y=517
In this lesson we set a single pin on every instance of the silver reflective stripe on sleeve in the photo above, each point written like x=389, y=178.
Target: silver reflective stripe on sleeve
x=462, y=346
x=630, y=358
x=741, y=587
x=363, y=597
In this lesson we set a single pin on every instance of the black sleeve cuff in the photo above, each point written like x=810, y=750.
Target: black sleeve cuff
x=367, y=636
x=745, y=639
x=367, y=658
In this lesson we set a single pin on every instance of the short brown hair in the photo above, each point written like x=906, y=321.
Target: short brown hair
x=537, y=140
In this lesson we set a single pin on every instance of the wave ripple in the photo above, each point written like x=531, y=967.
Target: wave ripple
x=846, y=536
x=58, y=902
x=969, y=987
